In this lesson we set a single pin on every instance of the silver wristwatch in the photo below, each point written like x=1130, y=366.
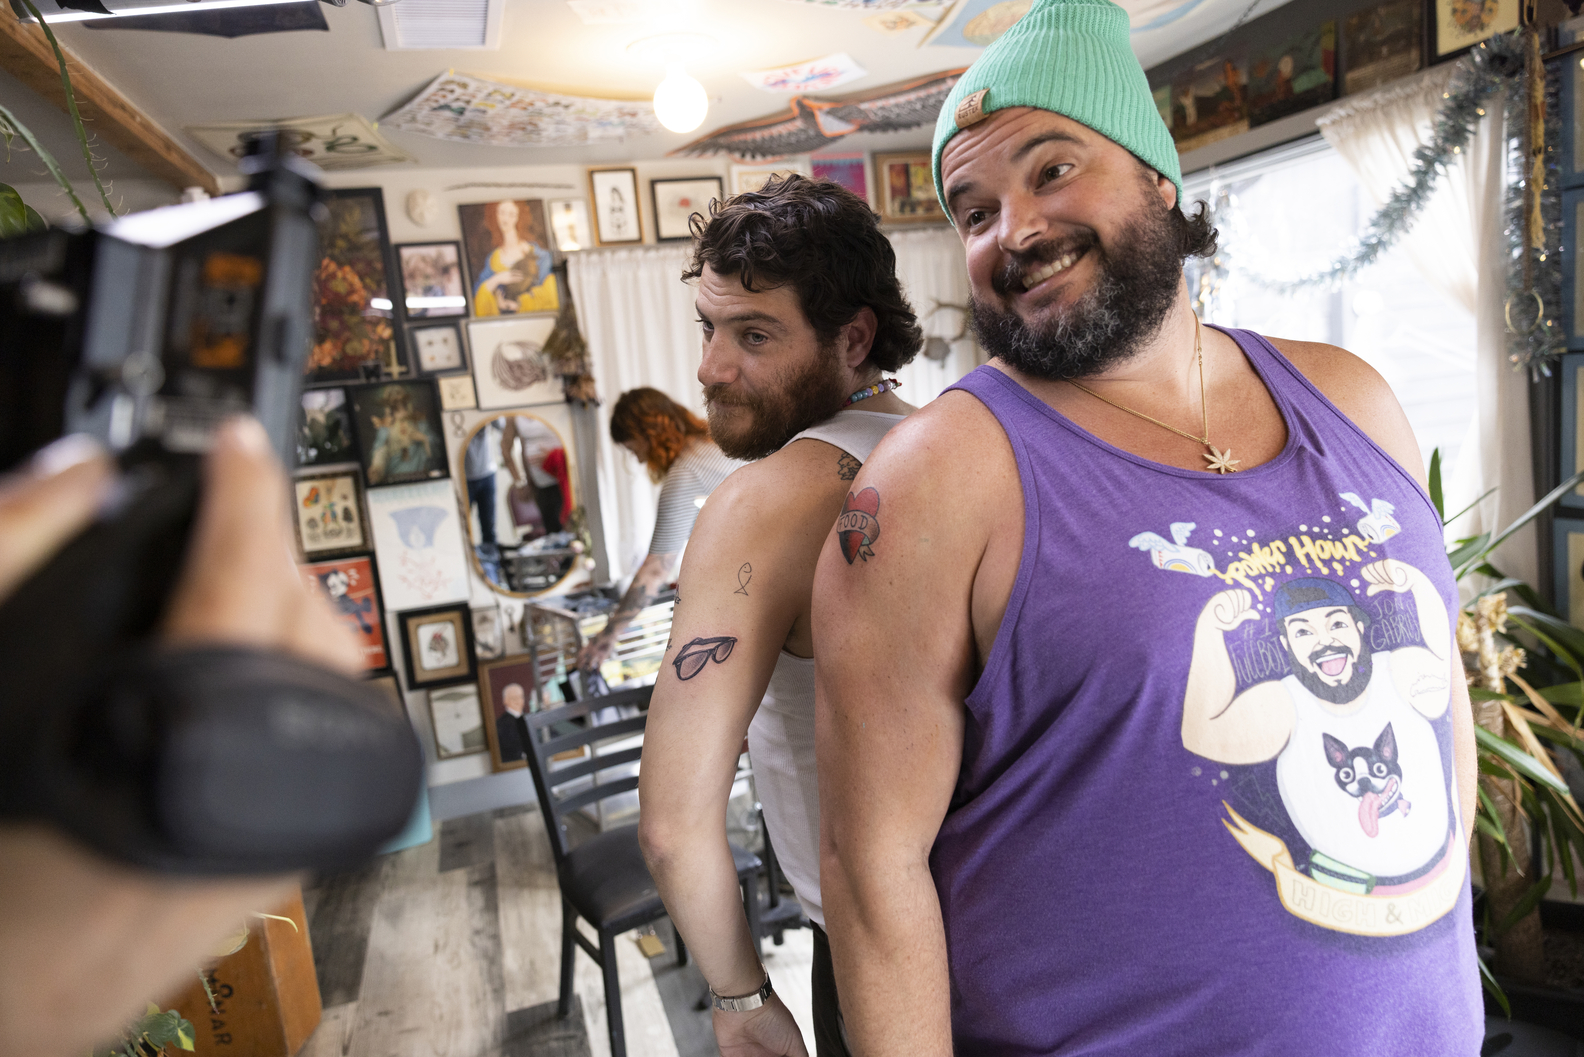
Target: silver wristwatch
x=743, y=1003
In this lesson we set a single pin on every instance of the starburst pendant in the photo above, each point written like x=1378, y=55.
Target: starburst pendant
x=1220, y=461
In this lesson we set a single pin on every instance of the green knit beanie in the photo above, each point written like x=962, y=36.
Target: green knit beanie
x=1071, y=57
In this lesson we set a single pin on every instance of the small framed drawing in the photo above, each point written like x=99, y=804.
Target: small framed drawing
x=675, y=202
x=1458, y=25
x=417, y=532
x=437, y=348
x=431, y=275
x=324, y=429
x=489, y=637
x=458, y=721
x=754, y=177
x=507, y=690
x=329, y=513
x=399, y=431
x=352, y=586
x=905, y=190
x=615, y=195
x=510, y=368
x=569, y=224
x=437, y=644
x=456, y=393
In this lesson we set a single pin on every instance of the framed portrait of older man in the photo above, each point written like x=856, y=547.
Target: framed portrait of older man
x=508, y=690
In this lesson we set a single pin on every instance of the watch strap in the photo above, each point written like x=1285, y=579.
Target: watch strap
x=743, y=1003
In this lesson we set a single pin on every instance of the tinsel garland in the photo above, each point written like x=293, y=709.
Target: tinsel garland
x=1533, y=293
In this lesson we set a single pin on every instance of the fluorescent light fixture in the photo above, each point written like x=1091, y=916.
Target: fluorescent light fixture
x=432, y=302
x=381, y=303
x=123, y=10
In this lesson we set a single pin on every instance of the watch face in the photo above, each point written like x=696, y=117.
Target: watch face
x=438, y=349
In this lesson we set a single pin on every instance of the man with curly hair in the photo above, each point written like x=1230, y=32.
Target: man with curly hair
x=675, y=446
x=803, y=318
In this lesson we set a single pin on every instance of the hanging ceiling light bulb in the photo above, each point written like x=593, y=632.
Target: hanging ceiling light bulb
x=679, y=101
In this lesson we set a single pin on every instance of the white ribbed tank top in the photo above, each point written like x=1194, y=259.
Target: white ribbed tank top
x=781, y=736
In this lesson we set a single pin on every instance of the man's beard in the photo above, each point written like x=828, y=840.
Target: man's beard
x=1136, y=282
x=803, y=397
x=1342, y=693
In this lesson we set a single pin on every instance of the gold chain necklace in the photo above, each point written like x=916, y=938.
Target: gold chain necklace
x=1220, y=461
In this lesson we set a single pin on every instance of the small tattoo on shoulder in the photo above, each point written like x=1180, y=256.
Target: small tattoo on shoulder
x=859, y=525
x=847, y=467
x=744, y=576
x=691, y=658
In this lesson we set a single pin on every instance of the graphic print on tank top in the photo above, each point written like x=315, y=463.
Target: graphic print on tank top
x=1313, y=648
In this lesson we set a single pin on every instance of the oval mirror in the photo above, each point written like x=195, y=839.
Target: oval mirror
x=519, y=498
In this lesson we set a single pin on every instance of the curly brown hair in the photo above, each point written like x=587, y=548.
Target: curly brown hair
x=823, y=241
x=665, y=427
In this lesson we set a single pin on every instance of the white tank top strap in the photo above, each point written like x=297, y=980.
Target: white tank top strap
x=854, y=432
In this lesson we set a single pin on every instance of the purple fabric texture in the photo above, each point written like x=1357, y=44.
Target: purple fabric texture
x=1299, y=884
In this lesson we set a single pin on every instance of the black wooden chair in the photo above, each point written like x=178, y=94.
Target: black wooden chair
x=603, y=880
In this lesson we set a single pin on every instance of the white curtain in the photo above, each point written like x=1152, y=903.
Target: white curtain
x=641, y=327
x=640, y=324
x=1459, y=246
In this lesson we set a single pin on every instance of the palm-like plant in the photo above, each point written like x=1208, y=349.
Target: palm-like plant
x=1529, y=729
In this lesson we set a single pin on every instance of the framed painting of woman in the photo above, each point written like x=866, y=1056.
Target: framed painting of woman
x=507, y=244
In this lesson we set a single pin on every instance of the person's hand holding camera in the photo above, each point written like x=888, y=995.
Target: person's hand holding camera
x=85, y=943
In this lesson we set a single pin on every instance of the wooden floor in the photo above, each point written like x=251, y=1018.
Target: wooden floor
x=452, y=949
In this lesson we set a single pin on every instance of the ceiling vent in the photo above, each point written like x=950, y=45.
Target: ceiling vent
x=415, y=25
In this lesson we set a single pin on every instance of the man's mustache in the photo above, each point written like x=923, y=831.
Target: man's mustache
x=1010, y=278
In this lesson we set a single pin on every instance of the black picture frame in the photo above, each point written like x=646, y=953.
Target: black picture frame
x=361, y=322
x=412, y=270
x=669, y=227
x=1433, y=43
x=325, y=436
x=1572, y=276
x=457, y=616
x=1570, y=447
x=416, y=351
x=419, y=450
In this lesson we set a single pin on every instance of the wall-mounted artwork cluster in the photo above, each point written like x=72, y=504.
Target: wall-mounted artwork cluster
x=405, y=513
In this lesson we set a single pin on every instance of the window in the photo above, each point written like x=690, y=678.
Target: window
x=1291, y=211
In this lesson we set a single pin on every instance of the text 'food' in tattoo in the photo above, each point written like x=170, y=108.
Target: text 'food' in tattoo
x=691, y=658
x=859, y=525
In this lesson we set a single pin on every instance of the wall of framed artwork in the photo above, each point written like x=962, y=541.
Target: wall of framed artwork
x=328, y=513
x=399, y=432
x=352, y=586
x=437, y=645
x=905, y=189
x=618, y=219
x=677, y=200
x=437, y=348
x=418, y=535
x=353, y=289
x=509, y=258
x=510, y=368
x=432, y=280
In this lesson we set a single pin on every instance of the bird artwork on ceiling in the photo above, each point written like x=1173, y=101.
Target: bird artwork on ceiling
x=813, y=124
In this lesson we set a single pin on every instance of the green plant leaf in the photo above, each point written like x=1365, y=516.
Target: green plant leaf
x=1525, y=905
x=46, y=157
x=1565, y=694
x=1467, y=549
x=1479, y=693
x=1434, y=478
x=1519, y=760
x=1493, y=988
x=16, y=216
x=71, y=106
x=1560, y=637
x=1459, y=569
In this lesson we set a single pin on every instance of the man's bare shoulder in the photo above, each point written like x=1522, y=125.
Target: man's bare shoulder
x=951, y=434
x=787, y=493
x=1360, y=393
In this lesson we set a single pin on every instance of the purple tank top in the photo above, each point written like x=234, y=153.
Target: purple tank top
x=1207, y=803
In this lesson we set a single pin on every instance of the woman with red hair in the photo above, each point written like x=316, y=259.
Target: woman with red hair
x=675, y=446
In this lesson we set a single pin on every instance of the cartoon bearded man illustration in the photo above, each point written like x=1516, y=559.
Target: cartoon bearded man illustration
x=1357, y=760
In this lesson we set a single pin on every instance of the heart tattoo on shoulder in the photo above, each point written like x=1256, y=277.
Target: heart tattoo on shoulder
x=859, y=525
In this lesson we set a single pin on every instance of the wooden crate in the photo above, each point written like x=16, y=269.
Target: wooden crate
x=267, y=993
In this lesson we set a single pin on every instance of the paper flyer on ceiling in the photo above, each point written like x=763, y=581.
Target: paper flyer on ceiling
x=816, y=75
x=468, y=109
x=332, y=142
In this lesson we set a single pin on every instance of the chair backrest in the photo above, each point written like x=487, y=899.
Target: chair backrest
x=559, y=730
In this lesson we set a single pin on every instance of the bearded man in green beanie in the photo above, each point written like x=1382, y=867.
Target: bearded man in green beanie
x=1133, y=738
